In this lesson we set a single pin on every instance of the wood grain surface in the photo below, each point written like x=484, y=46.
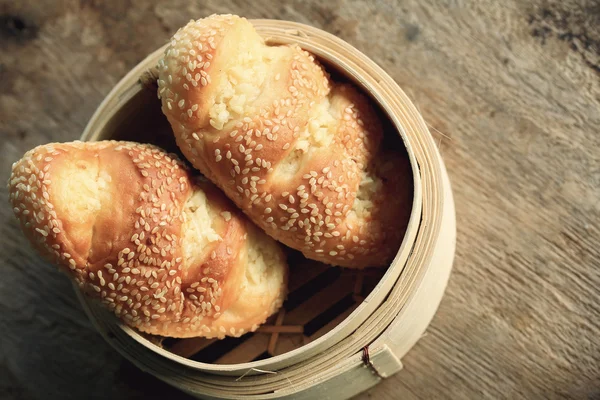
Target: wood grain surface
x=513, y=85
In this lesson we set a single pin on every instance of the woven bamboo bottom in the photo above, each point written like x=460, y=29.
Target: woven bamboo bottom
x=319, y=298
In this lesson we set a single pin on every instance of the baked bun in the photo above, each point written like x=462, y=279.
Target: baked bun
x=168, y=254
x=299, y=156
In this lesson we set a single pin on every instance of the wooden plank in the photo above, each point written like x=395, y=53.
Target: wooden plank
x=311, y=308
x=275, y=335
x=189, y=347
x=291, y=342
x=304, y=273
x=358, y=283
x=368, y=272
x=333, y=323
x=281, y=329
x=320, y=301
x=246, y=351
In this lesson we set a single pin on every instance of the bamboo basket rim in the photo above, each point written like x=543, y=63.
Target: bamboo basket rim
x=284, y=32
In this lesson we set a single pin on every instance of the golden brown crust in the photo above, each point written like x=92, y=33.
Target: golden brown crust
x=293, y=158
x=111, y=214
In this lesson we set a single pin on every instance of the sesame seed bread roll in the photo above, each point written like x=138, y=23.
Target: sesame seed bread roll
x=301, y=156
x=168, y=254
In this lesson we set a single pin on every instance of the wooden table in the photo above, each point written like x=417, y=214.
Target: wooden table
x=515, y=88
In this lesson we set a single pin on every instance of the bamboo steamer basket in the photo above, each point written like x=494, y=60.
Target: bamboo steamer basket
x=345, y=330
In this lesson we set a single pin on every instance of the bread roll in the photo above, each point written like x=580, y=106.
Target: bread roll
x=300, y=156
x=168, y=254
